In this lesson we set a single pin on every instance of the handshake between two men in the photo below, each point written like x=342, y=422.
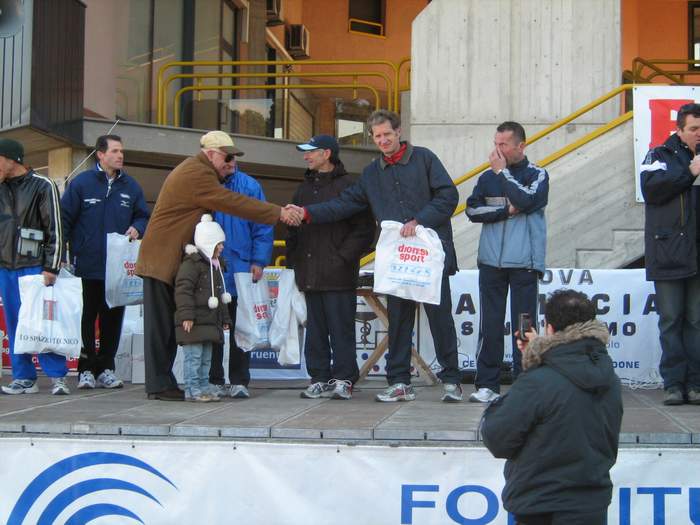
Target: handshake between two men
x=293, y=215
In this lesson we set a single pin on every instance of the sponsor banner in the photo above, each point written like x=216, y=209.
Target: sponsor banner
x=625, y=301
x=164, y=482
x=655, y=110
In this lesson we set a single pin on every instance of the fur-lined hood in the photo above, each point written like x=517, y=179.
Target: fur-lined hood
x=578, y=352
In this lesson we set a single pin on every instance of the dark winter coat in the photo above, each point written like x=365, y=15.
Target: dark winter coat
x=670, y=224
x=192, y=293
x=30, y=201
x=327, y=256
x=558, y=426
x=416, y=187
x=91, y=208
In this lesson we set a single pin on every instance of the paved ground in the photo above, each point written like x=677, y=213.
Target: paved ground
x=276, y=411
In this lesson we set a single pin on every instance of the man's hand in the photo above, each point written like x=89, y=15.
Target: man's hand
x=528, y=335
x=49, y=278
x=187, y=326
x=497, y=160
x=512, y=210
x=409, y=229
x=133, y=233
x=257, y=272
x=292, y=215
x=695, y=166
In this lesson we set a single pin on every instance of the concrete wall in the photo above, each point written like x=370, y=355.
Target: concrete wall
x=476, y=63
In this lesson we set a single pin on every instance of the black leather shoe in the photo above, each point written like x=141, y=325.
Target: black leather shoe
x=171, y=394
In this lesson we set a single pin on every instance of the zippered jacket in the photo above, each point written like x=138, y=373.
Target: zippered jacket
x=326, y=257
x=511, y=241
x=670, y=223
x=30, y=201
x=559, y=424
x=247, y=242
x=91, y=208
x=416, y=187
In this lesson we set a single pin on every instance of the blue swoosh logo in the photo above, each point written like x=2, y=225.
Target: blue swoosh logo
x=66, y=466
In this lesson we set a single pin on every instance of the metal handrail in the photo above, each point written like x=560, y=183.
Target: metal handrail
x=198, y=76
x=224, y=63
x=181, y=91
x=366, y=22
x=674, y=76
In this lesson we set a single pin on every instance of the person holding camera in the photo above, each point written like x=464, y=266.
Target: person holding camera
x=558, y=426
x=31, y=243
x=509, y=200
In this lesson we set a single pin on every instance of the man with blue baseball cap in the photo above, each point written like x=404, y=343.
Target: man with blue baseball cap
x=326, y=263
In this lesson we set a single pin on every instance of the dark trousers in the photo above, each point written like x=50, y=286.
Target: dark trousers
x=111, y=319
x=597, y=517
x=159, y=345
x=402, y=316
x=678, y=305
x=329, y=348
x=493, y=294
x=238, y=360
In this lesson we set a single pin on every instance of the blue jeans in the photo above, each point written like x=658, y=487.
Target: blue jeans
x=678, y=304
x=196, y=368
x=54, y=365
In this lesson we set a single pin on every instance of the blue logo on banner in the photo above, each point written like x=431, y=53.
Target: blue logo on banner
x=69, y=495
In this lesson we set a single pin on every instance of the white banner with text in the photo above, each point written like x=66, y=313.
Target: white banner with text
x=165, y=482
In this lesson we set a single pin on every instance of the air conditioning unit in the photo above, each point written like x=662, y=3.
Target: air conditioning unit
x=297, y=41
x=274, y=13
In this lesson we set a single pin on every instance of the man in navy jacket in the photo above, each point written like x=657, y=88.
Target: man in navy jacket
x=97, y=202
x=671, y=239
x=509, y=201
x=408, y=184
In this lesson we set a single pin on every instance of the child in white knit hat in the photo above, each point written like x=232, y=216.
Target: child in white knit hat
x=201, y=314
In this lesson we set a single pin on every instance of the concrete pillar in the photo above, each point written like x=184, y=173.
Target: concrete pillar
x=476, y=63
x=61, y=163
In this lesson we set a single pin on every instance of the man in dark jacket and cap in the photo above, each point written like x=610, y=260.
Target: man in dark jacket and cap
x=671, y=252
x=559, y=424
x=326, y=261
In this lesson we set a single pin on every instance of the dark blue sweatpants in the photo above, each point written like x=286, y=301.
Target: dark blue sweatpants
x=493, y=293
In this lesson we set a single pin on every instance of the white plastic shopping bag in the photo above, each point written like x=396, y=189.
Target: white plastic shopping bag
x=290, y=312
x=122, y=285
x=49, y=316
x=253, y=314
x=409, y=267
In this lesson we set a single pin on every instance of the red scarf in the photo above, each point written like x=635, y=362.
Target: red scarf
x=396, y=157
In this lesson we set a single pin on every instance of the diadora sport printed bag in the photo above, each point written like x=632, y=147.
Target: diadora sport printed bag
x=409, y=267
x=122, y=286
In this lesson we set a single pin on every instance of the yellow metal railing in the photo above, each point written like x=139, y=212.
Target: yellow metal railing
x=360, y=21
x=176, y=118
x=674, y=76
x=392, y=81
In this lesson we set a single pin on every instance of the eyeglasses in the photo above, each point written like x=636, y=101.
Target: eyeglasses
x=228, y=156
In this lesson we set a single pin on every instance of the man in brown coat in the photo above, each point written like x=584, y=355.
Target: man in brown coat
x=191, y=189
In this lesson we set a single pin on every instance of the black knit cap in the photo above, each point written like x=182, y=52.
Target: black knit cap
x=12, y=150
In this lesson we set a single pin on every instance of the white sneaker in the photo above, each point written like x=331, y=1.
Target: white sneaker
x=107, y=379
x=21, y=386
x=451, y=393
x=60, y=387
x=484, y=395
x=239, y=392
x=86, y=381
